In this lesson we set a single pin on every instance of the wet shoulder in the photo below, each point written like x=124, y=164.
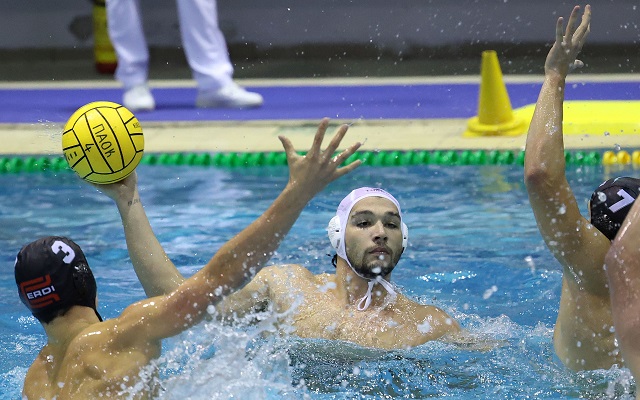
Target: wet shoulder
x=36, y=381
x=287, y=271
x=423, y=313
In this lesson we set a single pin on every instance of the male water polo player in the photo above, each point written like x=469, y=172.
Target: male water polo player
x=86, y=358
x=584, y=334
x=622, y=265
x=356, y=304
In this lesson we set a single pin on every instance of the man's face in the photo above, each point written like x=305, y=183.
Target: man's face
x=373, y=236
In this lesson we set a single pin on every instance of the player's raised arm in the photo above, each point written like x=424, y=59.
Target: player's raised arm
x=156, y=272
x=550, y=195
x=308, y=175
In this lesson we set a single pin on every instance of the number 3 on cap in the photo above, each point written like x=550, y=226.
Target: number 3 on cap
x=59, y=246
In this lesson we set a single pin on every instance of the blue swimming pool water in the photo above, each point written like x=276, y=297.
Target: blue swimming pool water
x=474, y=251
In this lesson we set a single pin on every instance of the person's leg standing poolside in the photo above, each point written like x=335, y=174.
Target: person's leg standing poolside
x=127, y=36
x=206, y=51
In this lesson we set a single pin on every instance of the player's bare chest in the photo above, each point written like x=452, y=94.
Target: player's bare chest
x=372, y=328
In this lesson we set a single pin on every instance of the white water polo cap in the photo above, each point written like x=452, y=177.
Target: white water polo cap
x=336, y=231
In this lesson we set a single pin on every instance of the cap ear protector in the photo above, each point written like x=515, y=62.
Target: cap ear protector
x=333, y=230
x=335, y=234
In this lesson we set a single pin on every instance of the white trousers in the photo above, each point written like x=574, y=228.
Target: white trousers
x=204, y=45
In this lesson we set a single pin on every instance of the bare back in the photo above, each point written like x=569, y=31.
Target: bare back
x=584, y=337
x=308, y=303
x=100, y=361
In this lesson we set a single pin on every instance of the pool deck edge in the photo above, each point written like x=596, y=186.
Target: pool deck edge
x=260, y=136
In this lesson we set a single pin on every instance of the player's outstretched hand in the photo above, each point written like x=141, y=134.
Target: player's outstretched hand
x=318, y=167
x=569, y=41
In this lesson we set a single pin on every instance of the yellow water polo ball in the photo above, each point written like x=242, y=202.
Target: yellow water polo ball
x=103, y=142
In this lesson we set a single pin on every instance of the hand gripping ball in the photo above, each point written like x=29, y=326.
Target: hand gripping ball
x=103, y=142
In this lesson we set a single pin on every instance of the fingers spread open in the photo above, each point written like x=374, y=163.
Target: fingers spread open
x=286, y=144
x=348, y=168
x=319, y=137
x=337, y=138
x=559, y=33
x=571, y=25
x=585, y=26
x=342, y=157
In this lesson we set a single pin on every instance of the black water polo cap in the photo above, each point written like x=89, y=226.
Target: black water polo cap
x=53, y=275
x=611, y=202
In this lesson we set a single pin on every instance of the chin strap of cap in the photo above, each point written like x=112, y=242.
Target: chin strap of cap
x=367, y=297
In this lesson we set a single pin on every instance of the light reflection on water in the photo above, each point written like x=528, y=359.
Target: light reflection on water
x=474, y=251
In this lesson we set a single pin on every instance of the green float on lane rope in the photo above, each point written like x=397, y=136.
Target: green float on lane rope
x=17, y=164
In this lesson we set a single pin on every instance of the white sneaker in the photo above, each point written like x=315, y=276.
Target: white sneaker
x=138, y=98
x=230, y=96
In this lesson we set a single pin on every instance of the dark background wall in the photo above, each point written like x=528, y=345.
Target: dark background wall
x=372, y=30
